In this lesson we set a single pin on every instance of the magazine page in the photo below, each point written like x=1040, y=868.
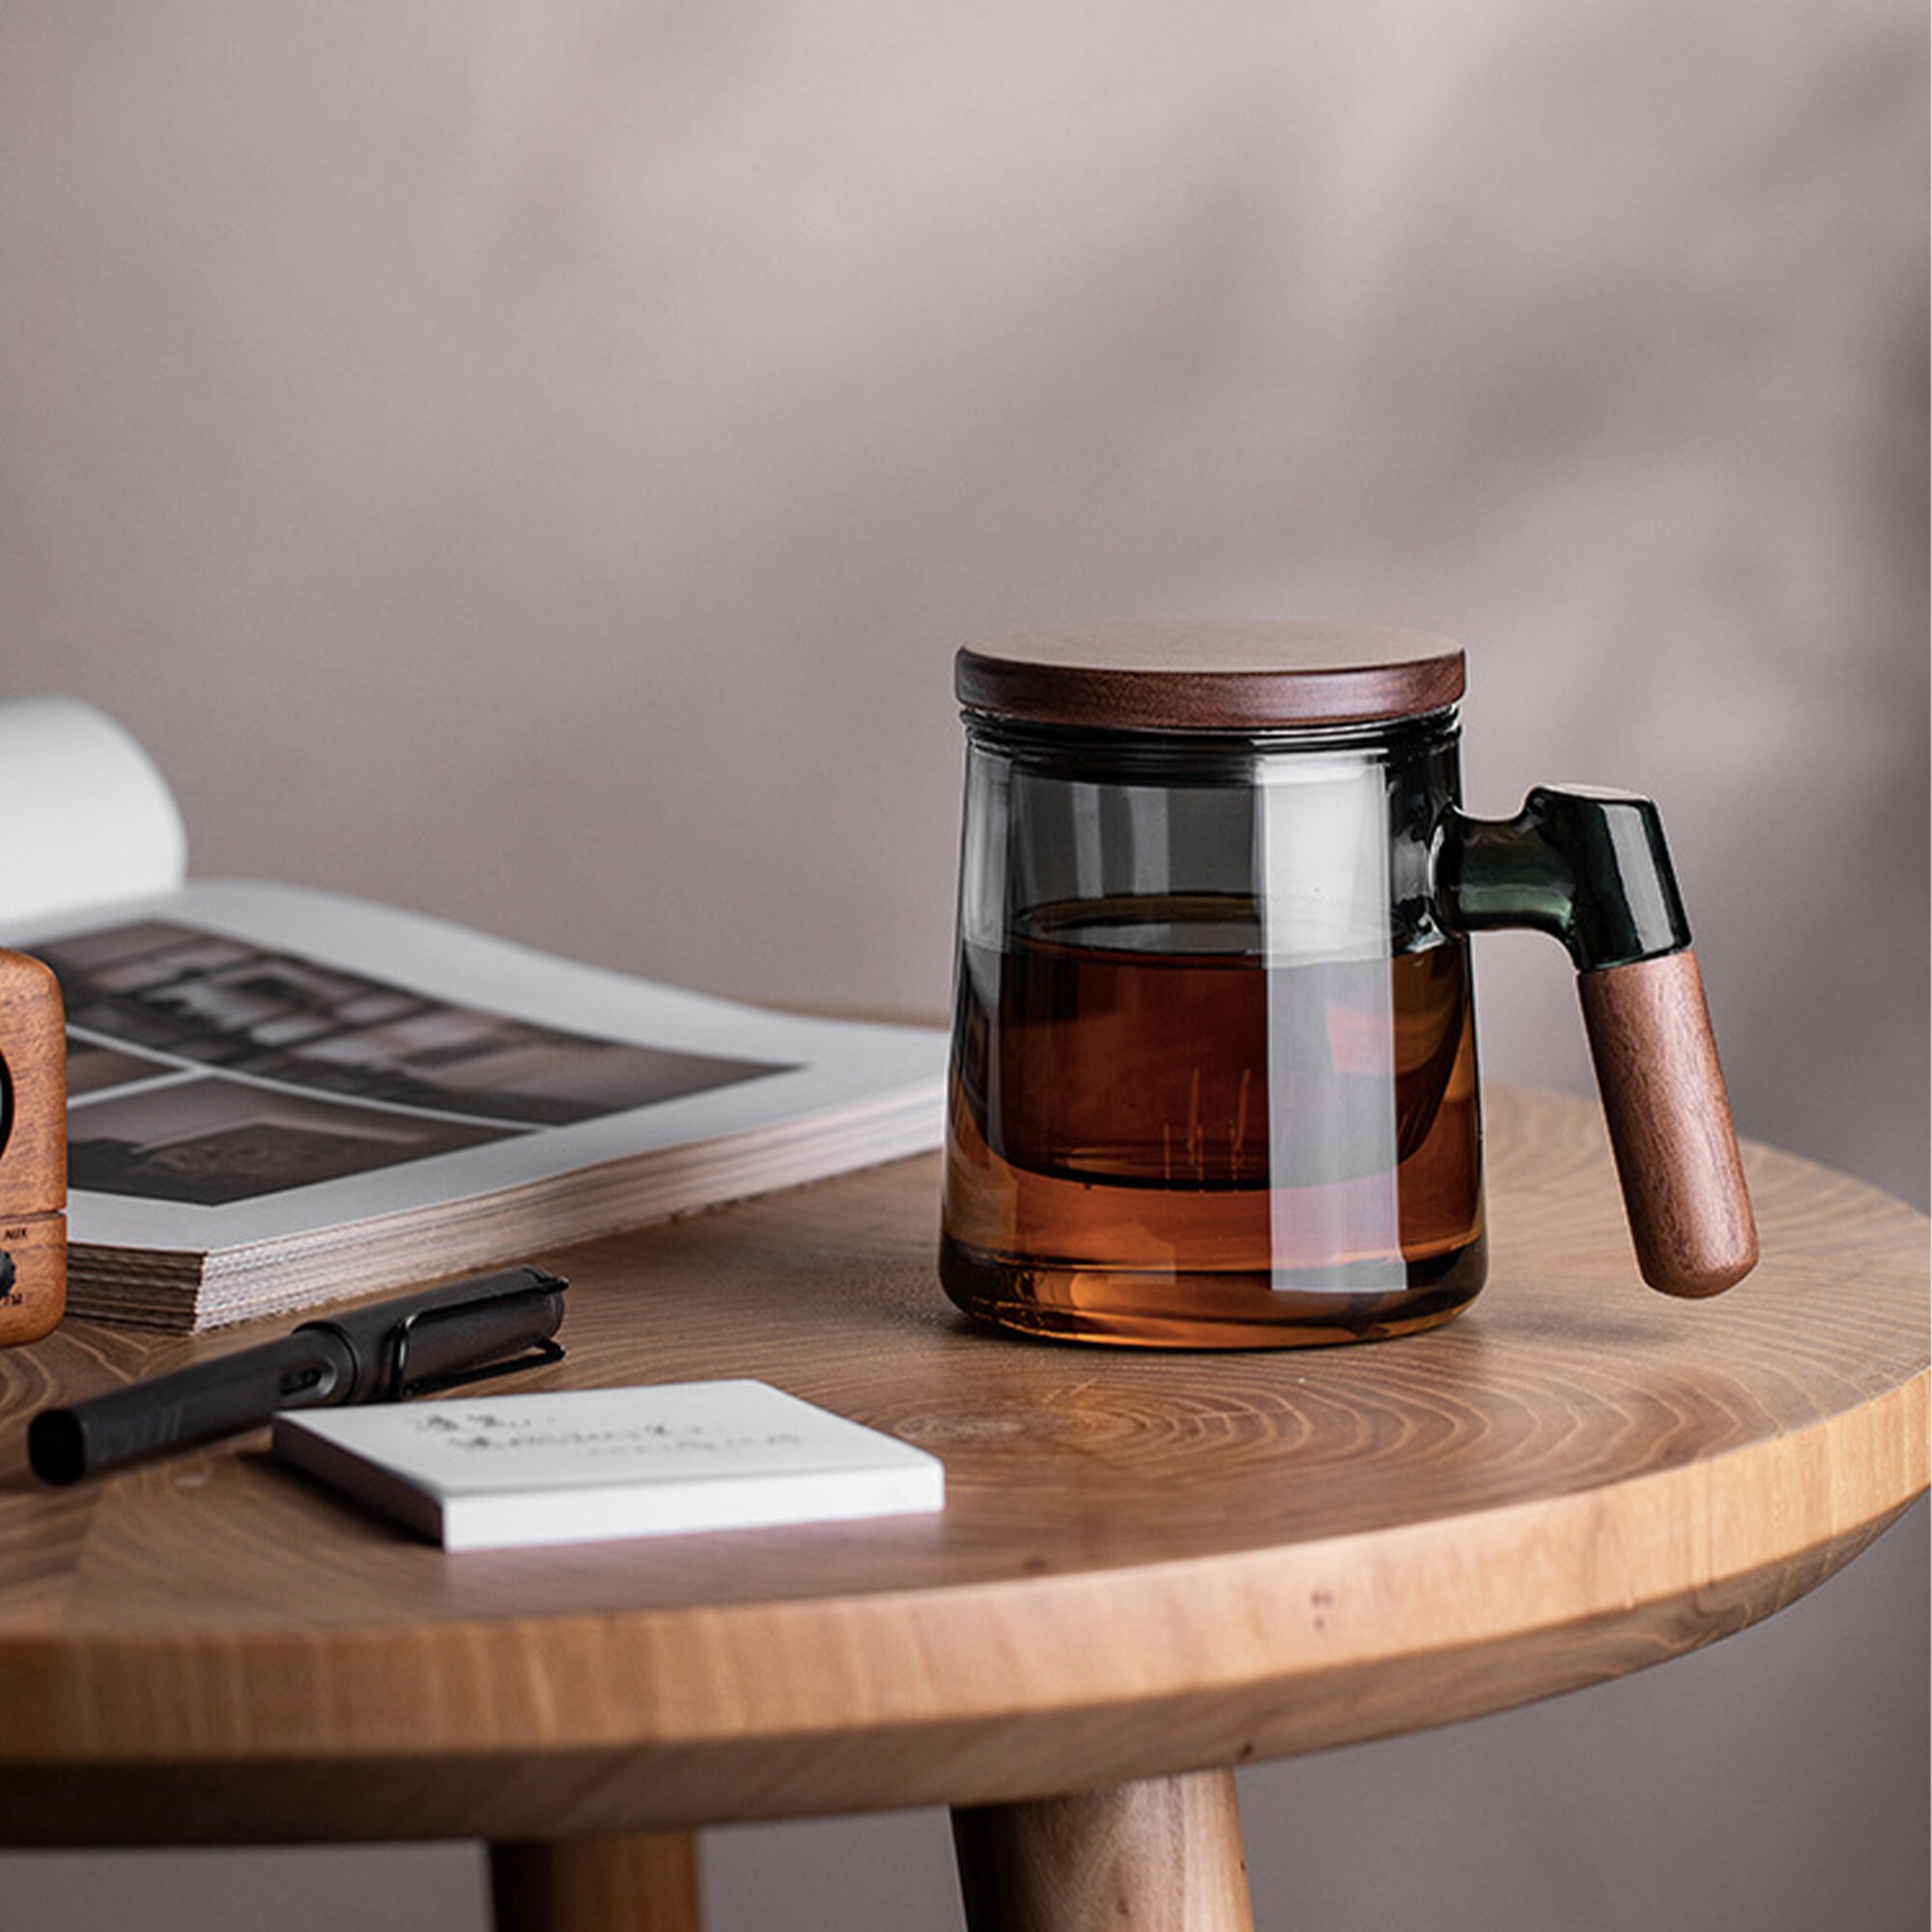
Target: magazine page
x=247, y=1062
x=88, y=817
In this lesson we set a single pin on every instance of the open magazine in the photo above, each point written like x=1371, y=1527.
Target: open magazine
x=279, y=1096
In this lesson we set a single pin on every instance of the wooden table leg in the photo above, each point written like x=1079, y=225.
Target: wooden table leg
x=1160, y=1856
x=644, y=1882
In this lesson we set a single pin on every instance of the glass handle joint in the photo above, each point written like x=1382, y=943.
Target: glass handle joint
x=1589, y=868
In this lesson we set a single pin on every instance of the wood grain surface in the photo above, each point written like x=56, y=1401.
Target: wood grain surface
x=33, y=1148
x=1209, y=676
x=1161, y=1855
x=1670, y=1125
x=1149, y=1563
x=648, y=1883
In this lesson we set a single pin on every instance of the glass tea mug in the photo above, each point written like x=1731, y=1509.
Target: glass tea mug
x=1213, y=1065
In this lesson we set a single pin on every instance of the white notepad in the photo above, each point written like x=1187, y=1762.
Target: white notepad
x=494, y=1472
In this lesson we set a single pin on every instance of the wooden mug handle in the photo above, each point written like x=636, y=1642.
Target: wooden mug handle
x=1591, y=868
x=1670, y=1125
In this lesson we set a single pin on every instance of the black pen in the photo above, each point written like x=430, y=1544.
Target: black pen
x=466, y=1330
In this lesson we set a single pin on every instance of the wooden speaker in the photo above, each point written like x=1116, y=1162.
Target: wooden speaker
x=33, y=1149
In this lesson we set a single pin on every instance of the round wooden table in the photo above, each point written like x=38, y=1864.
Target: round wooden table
x=1152, y=1567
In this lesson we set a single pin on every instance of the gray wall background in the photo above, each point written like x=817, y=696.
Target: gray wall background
x=532, y=461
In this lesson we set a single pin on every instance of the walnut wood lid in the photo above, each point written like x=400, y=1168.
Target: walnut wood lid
x=1209, y=677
